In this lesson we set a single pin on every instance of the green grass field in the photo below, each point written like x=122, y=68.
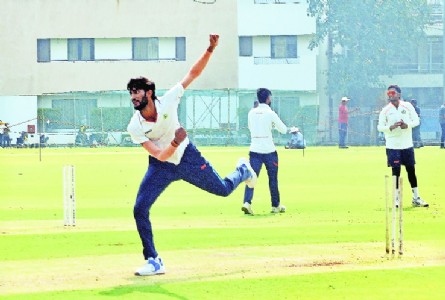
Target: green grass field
x=330, y=244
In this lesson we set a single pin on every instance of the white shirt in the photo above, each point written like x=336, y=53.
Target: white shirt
x=161, y=132
x=398, y=138
x=297, y=138
x=261, y=121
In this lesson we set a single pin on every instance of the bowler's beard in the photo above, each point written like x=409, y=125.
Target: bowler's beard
x=143, y=104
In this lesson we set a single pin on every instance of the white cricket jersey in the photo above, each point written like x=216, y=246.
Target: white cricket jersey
x=398, y=138
x=161, y=132
x=261, y=121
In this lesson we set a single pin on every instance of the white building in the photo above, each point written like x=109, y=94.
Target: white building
x=72, y=60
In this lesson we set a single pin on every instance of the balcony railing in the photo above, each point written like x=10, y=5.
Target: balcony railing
x=277, y=2
x=275, y=61
x=415, y=68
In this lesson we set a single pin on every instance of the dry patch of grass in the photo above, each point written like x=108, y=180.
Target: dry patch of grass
x=108, y=271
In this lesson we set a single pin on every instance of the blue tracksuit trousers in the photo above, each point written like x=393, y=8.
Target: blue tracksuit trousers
x=270, y=160
x=193, y=168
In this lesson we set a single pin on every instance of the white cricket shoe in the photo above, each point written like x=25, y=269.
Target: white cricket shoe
x=253, y=177
x=419, y=203
x=247, y=208
x=279, y=209
x=154, y=266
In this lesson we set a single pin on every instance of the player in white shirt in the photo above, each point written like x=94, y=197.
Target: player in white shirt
x=172, y=156
x=396, y=121
x=261, y=121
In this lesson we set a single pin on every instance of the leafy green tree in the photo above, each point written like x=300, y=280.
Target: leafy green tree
x=364, y=38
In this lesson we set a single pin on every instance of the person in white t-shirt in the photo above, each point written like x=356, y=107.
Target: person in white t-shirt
x=396, y=121
x=172, y=156
x=261, y=121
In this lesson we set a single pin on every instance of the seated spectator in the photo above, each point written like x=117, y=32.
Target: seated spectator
x=22, y=140
x=43, y=140
x=296, y=141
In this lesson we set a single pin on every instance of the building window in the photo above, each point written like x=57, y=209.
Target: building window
x=111, y=49
x=43, y=50
x=180, y=48
x=435, y=55
x=80, y=49
x=284, y=46
x=145, y=48
x=245, y=46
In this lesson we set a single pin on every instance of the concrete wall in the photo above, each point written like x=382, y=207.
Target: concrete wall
x=25, y=21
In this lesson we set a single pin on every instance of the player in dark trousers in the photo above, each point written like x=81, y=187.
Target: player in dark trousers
x=172, y=157
x=261, y=121
x=396, y=120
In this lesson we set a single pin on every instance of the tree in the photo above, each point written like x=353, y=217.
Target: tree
x=370, y=35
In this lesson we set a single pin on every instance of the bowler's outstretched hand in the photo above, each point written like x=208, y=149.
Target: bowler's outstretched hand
x=214, y=38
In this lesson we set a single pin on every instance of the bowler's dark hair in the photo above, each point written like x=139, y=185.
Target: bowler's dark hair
x=396, y=87
x=262, y=94
x=142, y=83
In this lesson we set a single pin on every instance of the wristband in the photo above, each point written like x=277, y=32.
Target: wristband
x=174, y=144
x=210, y=49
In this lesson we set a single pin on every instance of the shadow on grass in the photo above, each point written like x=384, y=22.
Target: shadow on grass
x=152, y=289
x=157, y=286
x=263, y=215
